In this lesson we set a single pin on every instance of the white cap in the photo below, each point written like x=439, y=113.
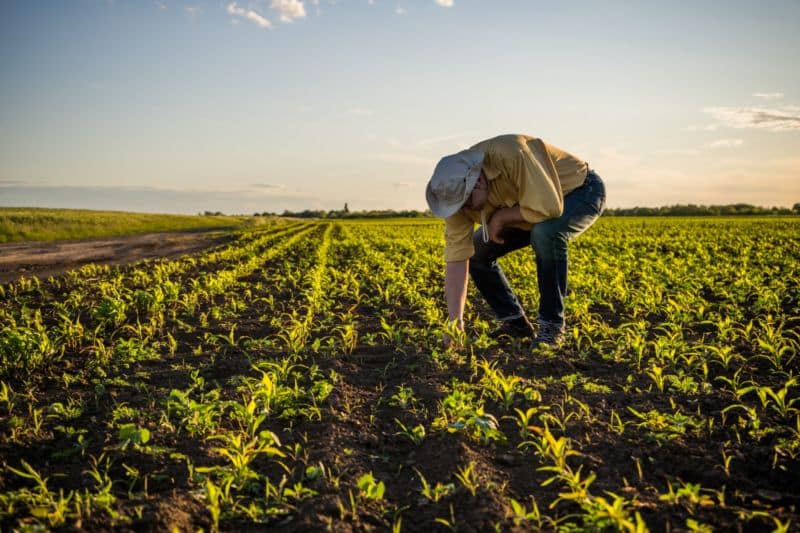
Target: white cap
x=452, y=182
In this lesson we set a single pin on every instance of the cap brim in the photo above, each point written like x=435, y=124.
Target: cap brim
x=443, y=208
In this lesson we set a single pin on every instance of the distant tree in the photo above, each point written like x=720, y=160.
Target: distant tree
x=346, y=209
x=388, y=213
x=702, y=210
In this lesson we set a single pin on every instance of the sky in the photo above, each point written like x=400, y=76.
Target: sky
x=181, y=106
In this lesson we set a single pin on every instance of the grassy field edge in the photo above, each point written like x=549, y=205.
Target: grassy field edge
x=43, y=224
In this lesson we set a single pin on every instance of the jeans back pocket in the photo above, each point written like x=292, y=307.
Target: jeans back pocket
x=595, y=193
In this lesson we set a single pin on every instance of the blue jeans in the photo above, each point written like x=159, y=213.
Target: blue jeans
x=549, y=240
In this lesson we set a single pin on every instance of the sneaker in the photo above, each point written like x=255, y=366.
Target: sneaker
x=550, y=334
x=516, y=328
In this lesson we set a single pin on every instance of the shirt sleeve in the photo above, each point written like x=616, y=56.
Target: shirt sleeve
x=458, y=238
x=534, y=174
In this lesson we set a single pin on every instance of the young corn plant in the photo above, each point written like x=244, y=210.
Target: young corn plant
x=521, y=515
x=460, y=411
x=598, y=513
x=415, y=434
x=776, y=400
x=348, y=337
x=44, y=504
x=436, y=492
x=525, y=421
x=468, y=478
x=370, y=488
x=240, y=453
x=688, y=495
x=507, y=390
x=403, y=398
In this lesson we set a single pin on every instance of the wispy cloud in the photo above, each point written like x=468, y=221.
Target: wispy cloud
x=267, y=187
x=193, y=11
x=445, y=3
x=768, y=96
x=400, y=11
x=161, y=6
x=725, y=143
x=249, y=14
x=785, y=118
x=24, y=182
x=702, y=127
x=289, y=9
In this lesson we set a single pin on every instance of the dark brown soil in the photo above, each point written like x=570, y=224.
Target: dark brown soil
x=43, y=259
x=357, y=432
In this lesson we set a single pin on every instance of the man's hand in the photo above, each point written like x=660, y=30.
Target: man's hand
x=502, y=218
x=453, y=343
x=495, y=227
x=453, y=336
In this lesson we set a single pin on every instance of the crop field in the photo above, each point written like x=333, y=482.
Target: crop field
x=295, y=379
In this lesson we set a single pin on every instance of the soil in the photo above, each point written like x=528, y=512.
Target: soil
x=44, y=259
x=357, y=429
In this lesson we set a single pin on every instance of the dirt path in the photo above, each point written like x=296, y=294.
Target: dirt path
x=43, y=259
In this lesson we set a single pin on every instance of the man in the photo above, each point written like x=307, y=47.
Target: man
x=522, y=191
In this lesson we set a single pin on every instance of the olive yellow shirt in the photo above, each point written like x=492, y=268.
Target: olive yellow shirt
x=521, y=170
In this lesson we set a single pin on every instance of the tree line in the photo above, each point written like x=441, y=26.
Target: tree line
x=703, y=210
x=375, y=213
x=670, y=210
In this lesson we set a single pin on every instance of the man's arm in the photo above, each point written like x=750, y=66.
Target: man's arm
x=455, y=290
x=502, y=218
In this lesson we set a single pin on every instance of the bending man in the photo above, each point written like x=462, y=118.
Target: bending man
x=521, y=191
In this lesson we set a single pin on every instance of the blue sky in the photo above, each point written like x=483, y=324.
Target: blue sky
x=183, y=106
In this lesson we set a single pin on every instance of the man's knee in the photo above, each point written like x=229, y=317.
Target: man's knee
x=545, y=233
x=548, y=240
x=479, y=263
x=483, y=252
